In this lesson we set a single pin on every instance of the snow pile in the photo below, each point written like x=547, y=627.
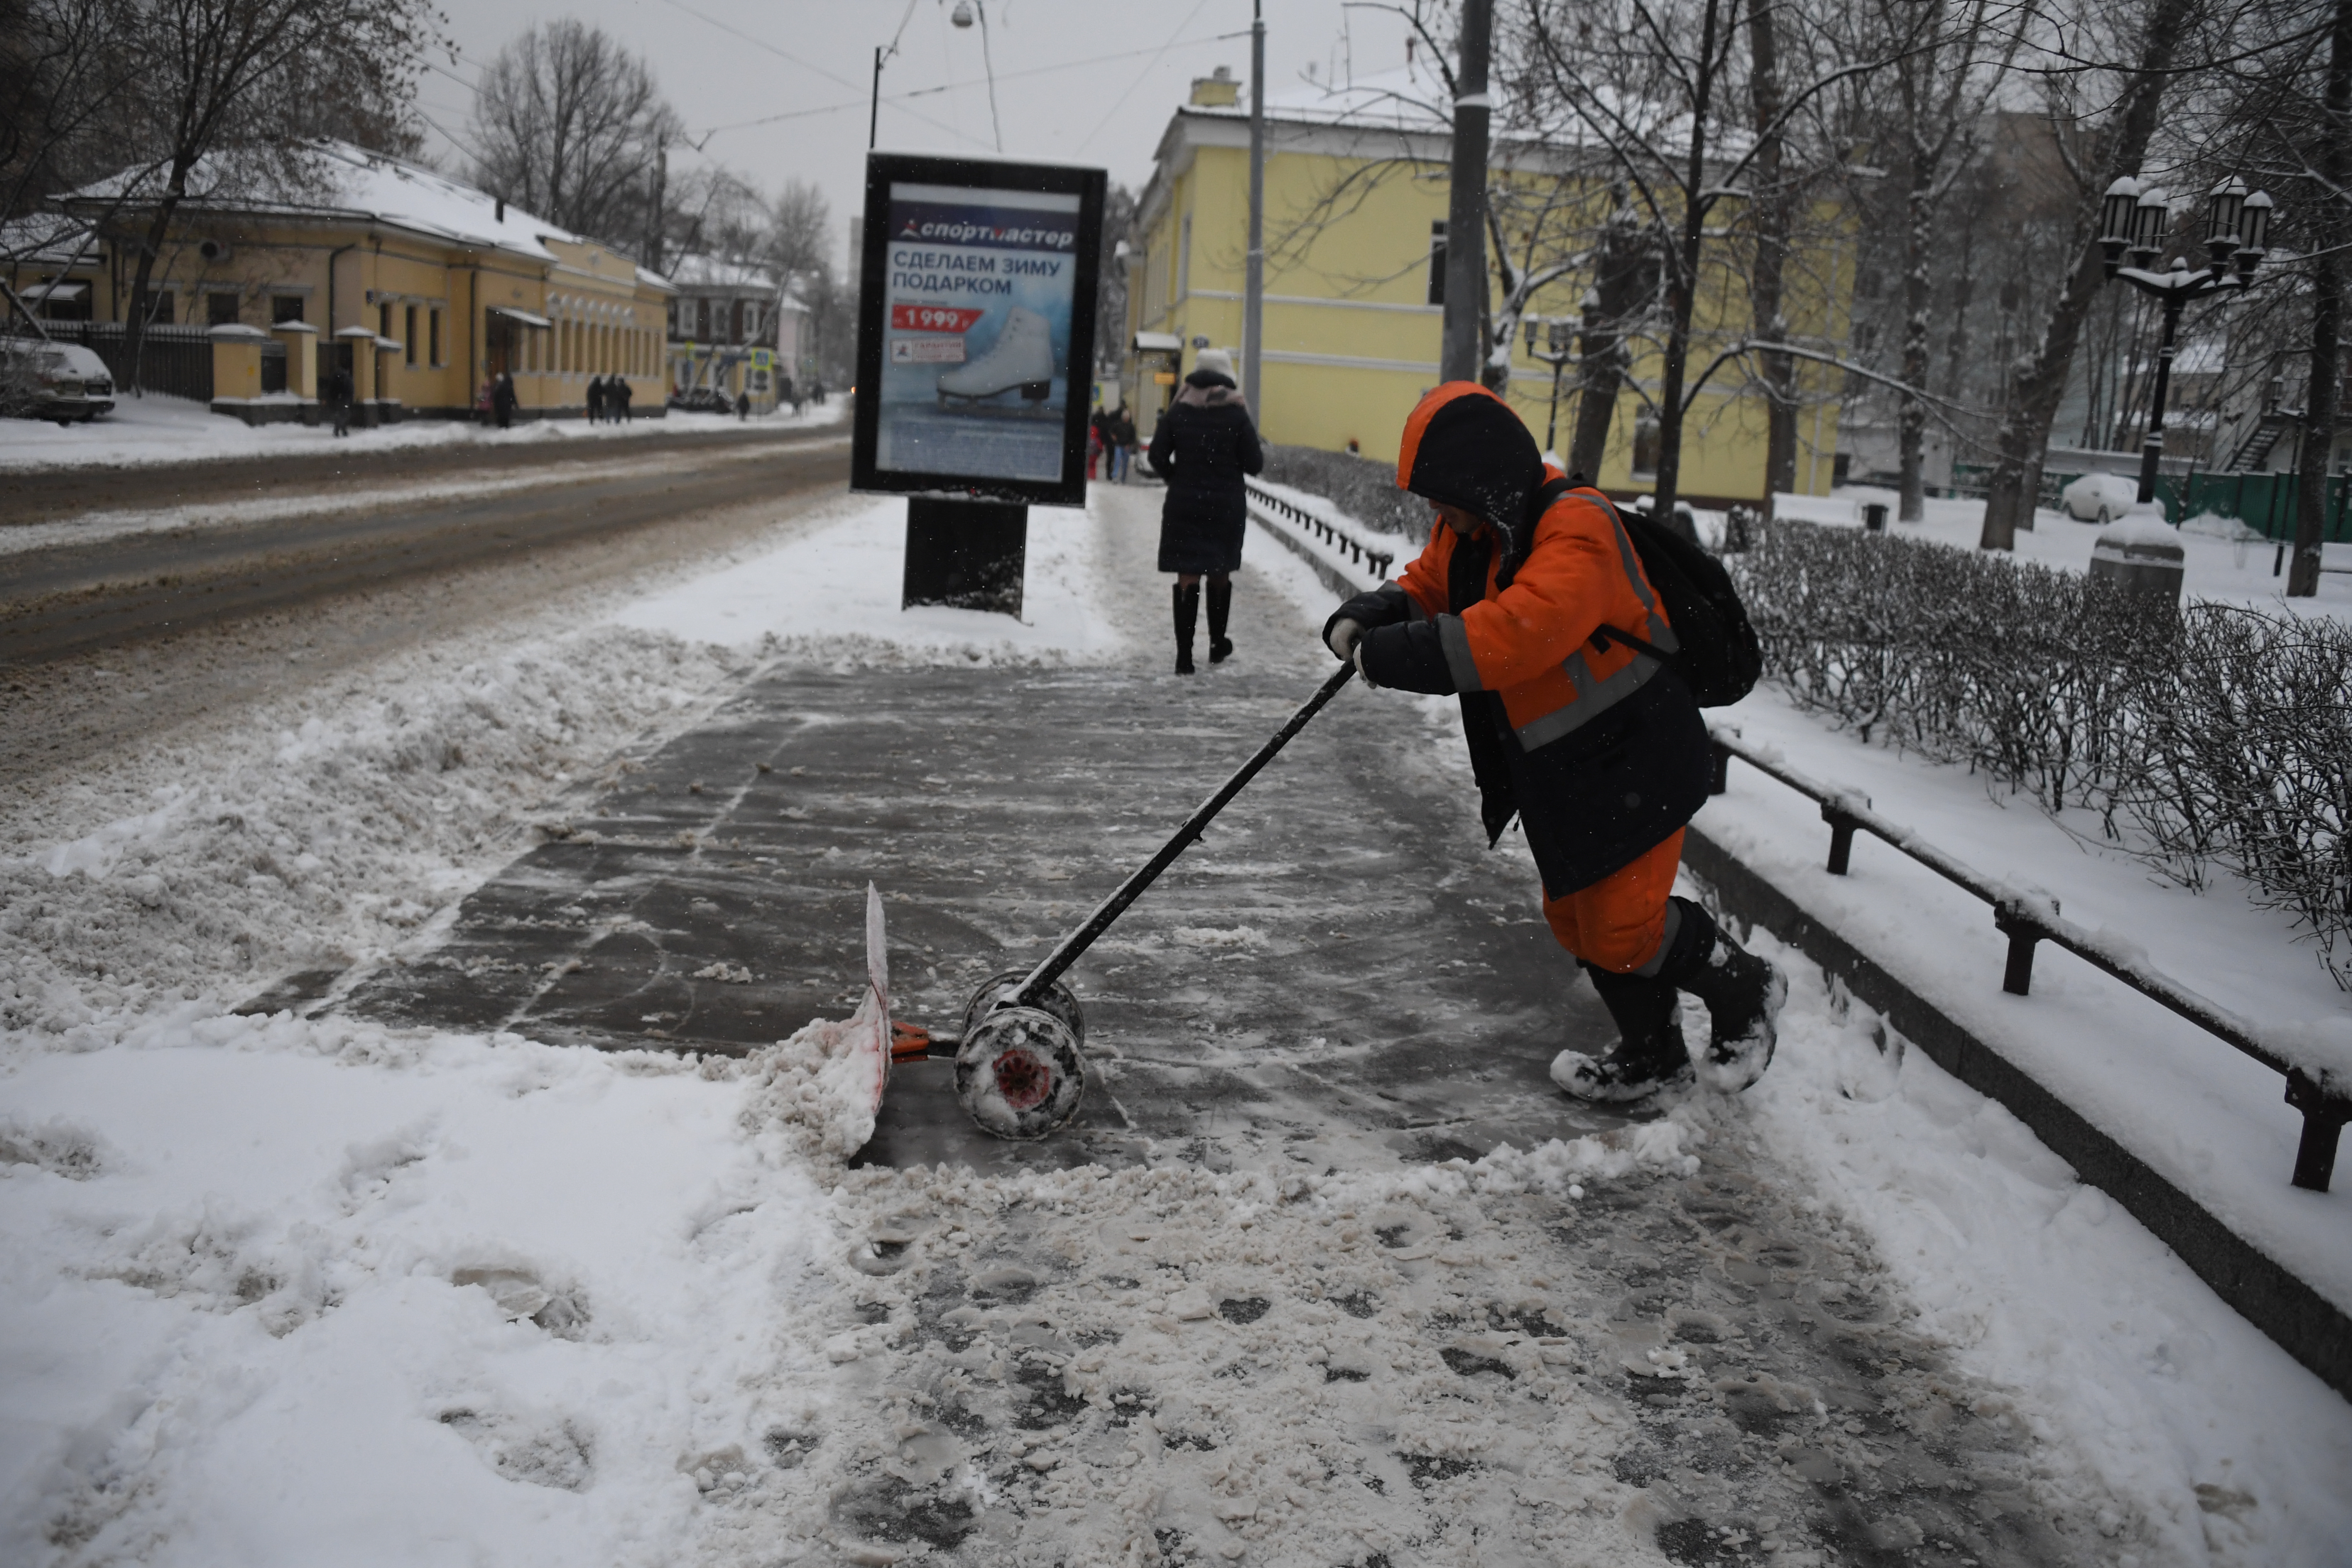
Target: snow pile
x=832, y=598
x=1558, y=1165
x=283, y=1292
x=162, y=429
x=331, y=831
x=2230, y=1451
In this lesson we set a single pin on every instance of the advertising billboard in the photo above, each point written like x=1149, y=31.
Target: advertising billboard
x=976, y=329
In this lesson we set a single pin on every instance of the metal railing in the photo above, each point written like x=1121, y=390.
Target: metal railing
x=177, y=360
x=2323, y=1097
x=1323, y=528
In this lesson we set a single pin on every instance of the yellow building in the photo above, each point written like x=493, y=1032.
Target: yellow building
x=423, y=289
x=1356, y=194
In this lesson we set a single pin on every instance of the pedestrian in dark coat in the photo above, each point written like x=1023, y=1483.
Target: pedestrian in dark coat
x=339, y=399
x=626, y=394
x=1205, y=445
x=595, y=399
x=502, y=399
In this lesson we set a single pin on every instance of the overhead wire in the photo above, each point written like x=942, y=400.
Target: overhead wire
x=1120, y=103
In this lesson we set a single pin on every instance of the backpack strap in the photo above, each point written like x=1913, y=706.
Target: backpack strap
x=1603, y=635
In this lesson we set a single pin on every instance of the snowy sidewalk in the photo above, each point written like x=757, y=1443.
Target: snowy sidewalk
x=287, y=1289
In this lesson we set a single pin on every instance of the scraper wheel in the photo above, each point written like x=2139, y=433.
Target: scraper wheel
x=1019, y=1073
x=1057, y=1001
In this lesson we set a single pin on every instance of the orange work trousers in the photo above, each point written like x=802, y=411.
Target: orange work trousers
x=1618, y=922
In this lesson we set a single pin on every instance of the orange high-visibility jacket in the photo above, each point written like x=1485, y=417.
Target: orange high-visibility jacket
x=1596, y=746
x=1531, y=642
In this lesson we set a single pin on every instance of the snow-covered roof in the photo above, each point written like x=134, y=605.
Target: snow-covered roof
x=350, y=183
x=702, y=270
x=46, y=239
x=1412, y=98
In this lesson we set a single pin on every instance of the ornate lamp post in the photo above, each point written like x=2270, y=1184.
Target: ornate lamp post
x=2236, y=238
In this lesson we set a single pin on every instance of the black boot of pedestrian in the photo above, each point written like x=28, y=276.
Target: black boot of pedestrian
x=1649, y=1054
x=1743, y=994
x=1220, y=601
x=1187, y=614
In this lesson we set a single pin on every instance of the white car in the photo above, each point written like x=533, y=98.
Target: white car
x=64, y=382
x=2099, y=498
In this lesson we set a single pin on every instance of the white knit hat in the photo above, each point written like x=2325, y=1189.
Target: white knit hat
x=1216, y=360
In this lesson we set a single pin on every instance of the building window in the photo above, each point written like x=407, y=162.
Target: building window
x=1437, y=262
x=286, y=308
x=408, y=338
x=1647, y=447
x=383, y=320
x=739, y=321
x=220, y=310
x=433, y=324
x=158, y=308
x=702, y=320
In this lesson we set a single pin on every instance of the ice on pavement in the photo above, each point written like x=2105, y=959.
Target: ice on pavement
x=286, y=1290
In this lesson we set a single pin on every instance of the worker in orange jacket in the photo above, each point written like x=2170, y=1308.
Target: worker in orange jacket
x=1595, y=746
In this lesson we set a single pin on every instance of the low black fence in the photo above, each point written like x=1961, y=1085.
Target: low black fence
x=174, y=360
x=2313, y=1089
x=1377, y=556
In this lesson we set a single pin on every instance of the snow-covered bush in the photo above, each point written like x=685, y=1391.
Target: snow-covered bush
x=2207, y=735
x=1362, y=488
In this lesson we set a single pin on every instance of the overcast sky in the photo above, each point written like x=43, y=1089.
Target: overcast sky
x=1077, y=80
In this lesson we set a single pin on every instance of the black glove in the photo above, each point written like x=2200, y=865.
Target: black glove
x=1406, y=657
x=1384, y=606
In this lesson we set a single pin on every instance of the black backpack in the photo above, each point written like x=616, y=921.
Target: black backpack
x=1720, y=658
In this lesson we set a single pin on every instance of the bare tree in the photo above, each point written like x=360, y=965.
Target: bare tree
x=799, y=237
x=569, y=125
x=2117, y=147
x=1650, y=81
x=227, y=91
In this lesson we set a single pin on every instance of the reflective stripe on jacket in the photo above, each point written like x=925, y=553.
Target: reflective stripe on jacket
x=1531, y=642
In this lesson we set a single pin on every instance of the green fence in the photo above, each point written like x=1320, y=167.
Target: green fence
x=2264, y=503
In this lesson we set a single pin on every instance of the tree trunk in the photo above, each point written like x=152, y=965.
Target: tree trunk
x=2326, y=325
x=135, y=329
x=2037, y=385
x=1910, y=412
x=1618, y=289
x=1770, y=205
x=1682, y=280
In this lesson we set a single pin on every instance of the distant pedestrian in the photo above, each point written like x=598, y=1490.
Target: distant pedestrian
x=624, y=395
x=339, y=399
x=787, y=392
x=596, y=400
x=742, y=406
x=1095, y=443
x=817, y=394
x=1122, y=449
x=1204, y=446
x=502, y=399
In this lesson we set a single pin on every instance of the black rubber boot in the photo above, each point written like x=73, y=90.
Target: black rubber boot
x=1743, y=994
x=1187, y=614
x=1220, y=601
x=1649, y=1054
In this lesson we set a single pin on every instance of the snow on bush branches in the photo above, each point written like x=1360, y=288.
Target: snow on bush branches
x=2205, y=736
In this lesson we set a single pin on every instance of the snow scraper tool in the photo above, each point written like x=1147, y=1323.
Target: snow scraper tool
x=1019, y=1068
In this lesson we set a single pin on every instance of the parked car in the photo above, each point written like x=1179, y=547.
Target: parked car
x=2099, y=498
x=64, y=382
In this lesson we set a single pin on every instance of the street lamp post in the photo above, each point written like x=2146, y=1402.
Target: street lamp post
x=2236, y=238
x=1556, y=354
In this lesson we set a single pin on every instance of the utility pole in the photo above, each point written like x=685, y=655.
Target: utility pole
x=1465, y=210
x=1253, y=279
x=873, y=108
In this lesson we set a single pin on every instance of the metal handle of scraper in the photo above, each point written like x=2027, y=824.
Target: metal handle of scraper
x=1110, y=909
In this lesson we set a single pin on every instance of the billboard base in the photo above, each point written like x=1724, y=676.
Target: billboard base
x=970, y=554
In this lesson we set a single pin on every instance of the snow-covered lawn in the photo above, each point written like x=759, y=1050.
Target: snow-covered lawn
x=162, y=429
x=284, y=1291
x=2224, y=559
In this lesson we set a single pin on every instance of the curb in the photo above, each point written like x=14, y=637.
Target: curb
x=2299, y=1320
x=1333, y=578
